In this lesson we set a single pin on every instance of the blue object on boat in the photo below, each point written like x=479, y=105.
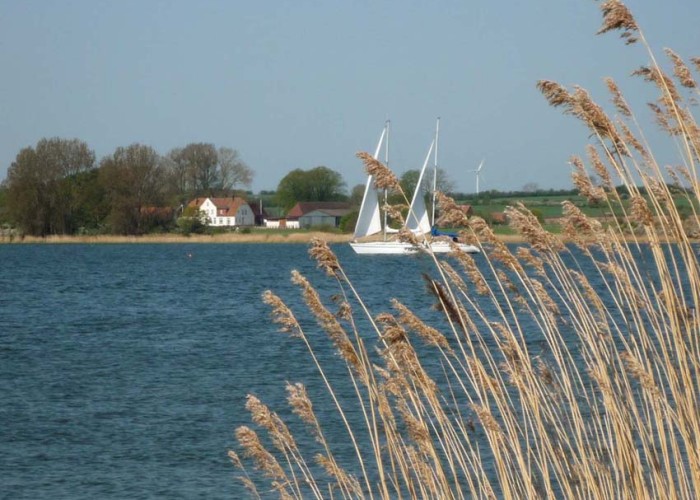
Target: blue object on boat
x=434, y=231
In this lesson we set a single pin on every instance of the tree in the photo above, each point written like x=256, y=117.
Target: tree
x=91, y=203
x=132, y=178
x=201, y=162
x=233, y=172
x=409, y=180
x=177, y=180
x=356, y=195
x=200, y=169
x=41, y=193
x=4, y=216
x=318, y=184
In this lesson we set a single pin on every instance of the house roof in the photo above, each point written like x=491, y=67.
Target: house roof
x=304, y=207
x=331, y=212
x=229, y=206
x=255, y=207
x=467, y=209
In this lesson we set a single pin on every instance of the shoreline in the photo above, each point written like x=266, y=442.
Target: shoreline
x=233, y=238
x=227, y=238
x=177, y=238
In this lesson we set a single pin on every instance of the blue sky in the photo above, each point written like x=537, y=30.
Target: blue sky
x=297, y=84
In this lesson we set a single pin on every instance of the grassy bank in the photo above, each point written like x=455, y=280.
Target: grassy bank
x=256, y=237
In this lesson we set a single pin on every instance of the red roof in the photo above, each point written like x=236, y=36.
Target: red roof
x=224, y=206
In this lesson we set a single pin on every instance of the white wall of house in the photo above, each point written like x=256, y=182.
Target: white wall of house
x=275, y=224
x=244, y=215
x=209, y=210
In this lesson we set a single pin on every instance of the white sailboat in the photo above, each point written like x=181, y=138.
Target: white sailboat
x=369, y=221
x=418, y=220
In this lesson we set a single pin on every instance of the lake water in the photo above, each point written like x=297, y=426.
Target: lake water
x=124, y=368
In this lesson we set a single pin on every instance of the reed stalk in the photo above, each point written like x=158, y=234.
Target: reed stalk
x=559, y=370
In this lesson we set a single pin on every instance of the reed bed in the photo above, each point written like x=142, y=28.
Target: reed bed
x=558, y=371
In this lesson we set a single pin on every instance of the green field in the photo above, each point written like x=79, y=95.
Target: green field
x=550, y=207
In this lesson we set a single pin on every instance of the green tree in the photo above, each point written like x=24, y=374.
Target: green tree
x=409, y=180
x=91, y=204
x=4, y=215
x=356, y=195
x=317, y=184
x=132, y=178
x=41, y=195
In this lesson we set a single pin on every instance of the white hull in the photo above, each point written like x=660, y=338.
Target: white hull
x=401, y=248
x=445, y=247
x=383, y=247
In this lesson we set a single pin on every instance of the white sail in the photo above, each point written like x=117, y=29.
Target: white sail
x=369, y=220
x=418, y=219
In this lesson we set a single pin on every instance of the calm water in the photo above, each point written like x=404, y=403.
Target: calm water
x=124, y=368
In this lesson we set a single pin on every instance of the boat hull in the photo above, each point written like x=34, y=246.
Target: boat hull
x=383, y=248
x=403, y=248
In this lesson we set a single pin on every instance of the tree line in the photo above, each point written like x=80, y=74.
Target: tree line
x=58, y=187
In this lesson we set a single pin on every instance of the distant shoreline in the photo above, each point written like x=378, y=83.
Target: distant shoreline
x=227, y=238
x=291, y=237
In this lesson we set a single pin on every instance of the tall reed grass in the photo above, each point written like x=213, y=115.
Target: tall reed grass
x=603, y=403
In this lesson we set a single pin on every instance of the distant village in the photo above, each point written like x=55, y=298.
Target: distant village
x=237, y=212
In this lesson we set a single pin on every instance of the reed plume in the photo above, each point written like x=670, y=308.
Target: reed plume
x=564, y=368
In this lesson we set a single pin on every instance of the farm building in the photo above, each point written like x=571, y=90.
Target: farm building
x=318, y=213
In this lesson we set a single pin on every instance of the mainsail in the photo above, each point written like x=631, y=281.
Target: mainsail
x=369, y=221
x=418, y=219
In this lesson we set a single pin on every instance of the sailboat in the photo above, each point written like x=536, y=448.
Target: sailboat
x=418, y=220
x=369, y=220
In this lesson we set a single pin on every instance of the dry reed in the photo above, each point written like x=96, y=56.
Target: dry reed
x=558, y=371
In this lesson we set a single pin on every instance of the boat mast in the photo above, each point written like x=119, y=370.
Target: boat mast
x=386, y=162
x=435, y=167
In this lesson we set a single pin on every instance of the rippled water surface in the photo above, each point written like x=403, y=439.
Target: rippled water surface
x=124, y=368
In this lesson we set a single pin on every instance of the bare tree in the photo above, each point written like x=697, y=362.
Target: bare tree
x=233, y=172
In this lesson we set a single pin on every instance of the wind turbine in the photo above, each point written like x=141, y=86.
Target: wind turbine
x=477, y=171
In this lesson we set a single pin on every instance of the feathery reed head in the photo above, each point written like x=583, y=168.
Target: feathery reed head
x=429, y=334
x=526, y=223
x=616, y=16
x=383, y=177
x=253, y=448
x=324, y=256
x=281, y=314
x=584, y=184
x=696, y=63
x=555, y=93
x=680, y=70
x=669, y=92
x=452, y=215
x=328, y=322
x=617, y=98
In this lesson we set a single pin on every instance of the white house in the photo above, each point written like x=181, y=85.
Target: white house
x=225, y=212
